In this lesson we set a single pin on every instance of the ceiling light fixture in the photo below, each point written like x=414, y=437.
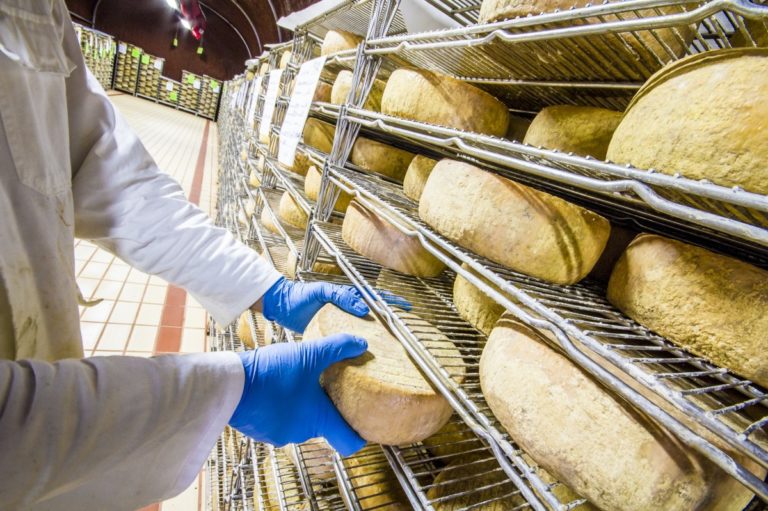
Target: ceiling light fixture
x=173, y=4
x=186, y=24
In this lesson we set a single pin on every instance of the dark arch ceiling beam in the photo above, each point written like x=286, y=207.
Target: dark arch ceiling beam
x=217, y=13
x=248, y=19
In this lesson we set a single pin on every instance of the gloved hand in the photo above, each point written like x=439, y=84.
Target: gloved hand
x=293, y=304
x=283, y=401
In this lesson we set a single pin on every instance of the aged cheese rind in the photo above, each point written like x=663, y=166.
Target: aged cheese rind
x=292, y=213
x=375, y=485
x=574, y=428
x=244, y=330
x=343, y=84
x=474, y=484
x=318, y=458
x=339, y=40
x=582, y=130
x=524, y=229
x=323, y=92
x=268, y=222
x=438, y=99
x=712, y=305
x=672, y=126
x=381, y=394
x=319, y=134
x=416, y=176
x=291, y=266
x=301, y=163
x=378, y=240
x=453, y=439
x=312, y=189
x=285, y=58
x=253, y=179
x=476, y=307
x=380, y=158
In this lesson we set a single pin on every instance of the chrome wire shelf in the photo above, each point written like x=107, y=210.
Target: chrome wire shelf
x=597, y=55
x=661, y=202
x=730, y=407
x=351, y=16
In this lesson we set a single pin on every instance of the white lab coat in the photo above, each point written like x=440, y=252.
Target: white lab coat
x=104, y=433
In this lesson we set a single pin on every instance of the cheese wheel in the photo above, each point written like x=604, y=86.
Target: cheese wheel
x=263, y=68
x=380, y=158
x=312, y=189
x=524, y=229
x=375, y=485
x=382, y=394
x=268, y=222
x=471, y=483
x=301, y=163
x=574, y=428
x=712, y=305
x=318, y=458
x=453, y=439
x=319, y=134
x=292, y=265
x=339, y=40
x=343, y=84
x=285, y=58
x=582, y=130
x=378, y=240
x=517, y=128
x=293, y=499
x=672, y=126
x=438, y=99
x=250, y=208
x=291, y=213
x=263, y=329
x=253, y=179
x=323, y=92
x=416, y=176
x=476, y=307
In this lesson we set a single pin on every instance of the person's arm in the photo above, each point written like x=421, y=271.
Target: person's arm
x=110, y=432
x=126, y=205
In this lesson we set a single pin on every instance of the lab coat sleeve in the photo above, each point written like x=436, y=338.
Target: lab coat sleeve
x=126, y=205
x=110, y=432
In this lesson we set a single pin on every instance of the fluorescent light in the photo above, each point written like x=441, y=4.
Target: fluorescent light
x=173, y=4
x=185, y=24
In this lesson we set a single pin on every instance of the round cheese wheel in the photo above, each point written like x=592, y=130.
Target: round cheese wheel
x=268, y=222
x=375, y=485
x=582, y=130
x=292, y=266
x=471, y=483
x=343, y=84
x=524, y=229
x=253, y=179
x=574, y=428
x=672, y=125
x=291, y=213
x=263, y=328
x=382, y=394
x=285, y=58
x=453, y=439
x=712, y=305
x=438, y=99
x=323, y=92
x=339, y=40
x=380, y=158
x=477, y=308
x=416, y=176
x=318, y=458
x=319, y=134
x=301, y=163
x=378, y=240
x=312, y=189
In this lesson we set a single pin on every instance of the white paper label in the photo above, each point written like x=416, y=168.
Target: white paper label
x=158, y=64
x=298, y=109
x=269, y=105
x=122, y=48
x=168, y=86
x=196, y=84
x=253, y=101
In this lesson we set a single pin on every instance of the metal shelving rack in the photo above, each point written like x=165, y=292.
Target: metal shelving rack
x=616, y=47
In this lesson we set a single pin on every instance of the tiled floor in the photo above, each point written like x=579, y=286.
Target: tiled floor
x=133, y=306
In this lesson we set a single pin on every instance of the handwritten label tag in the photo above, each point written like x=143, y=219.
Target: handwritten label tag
x=169, y=86
x=298, y=109
x=158, y=64
x=196, y=84
x=273, y=87
x=253, y=101
x=122, y=48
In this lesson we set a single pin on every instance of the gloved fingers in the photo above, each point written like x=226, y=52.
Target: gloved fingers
x=347, y=298
x=393, y=299
x=335, y=348
x=336, y=430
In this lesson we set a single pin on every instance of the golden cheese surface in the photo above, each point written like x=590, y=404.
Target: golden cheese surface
x=582, y=130
x=343, y=84
x=416, y=176
x=290, y=212
x=380, y=158
x=312, y=189
x=339, y=40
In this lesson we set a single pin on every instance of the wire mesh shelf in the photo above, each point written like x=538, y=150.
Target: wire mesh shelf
x=597, y=55
x=351, y=16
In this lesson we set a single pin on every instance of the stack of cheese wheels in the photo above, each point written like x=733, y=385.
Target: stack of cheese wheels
x=319, y=134
x=380, y=158
x=582, y=130
x=378, y=240
x=339, y=40
x=476, y=307
x=416, y=176
x=374, y=483
x=476, y=483
x=381, y=394
x=660, y=44
x=292, y=213
x=712, y=305
x=672, y=126
x=574, y=428
x=244, y=333
x=524, y=229
x=343, y=84
x=438, y=99
x=323, y=92
x=318, y=458
x=517, y=128
x=292, y=264
x=312, y=189
x=268, y=221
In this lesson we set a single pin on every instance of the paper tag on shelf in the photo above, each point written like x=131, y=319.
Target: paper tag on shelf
x=122, y=48
x=169, y=86
x=253, y=101
x=273, y=87
x=298, y=109
x=196, y=85
x=158, y=64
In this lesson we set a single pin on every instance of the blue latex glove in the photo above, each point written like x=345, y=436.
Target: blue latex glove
x=293, y=304
x=283, y=401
